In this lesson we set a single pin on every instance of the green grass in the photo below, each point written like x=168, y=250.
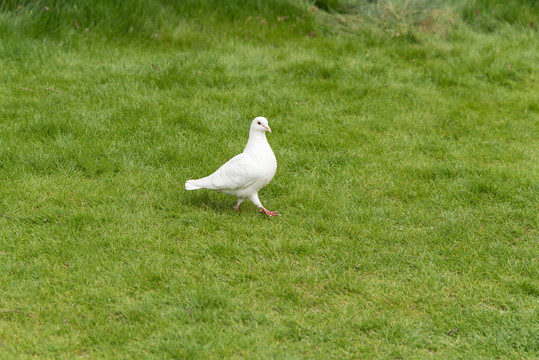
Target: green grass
x=406, y=137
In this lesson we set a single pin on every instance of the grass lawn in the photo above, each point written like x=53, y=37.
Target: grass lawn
x=407, y=141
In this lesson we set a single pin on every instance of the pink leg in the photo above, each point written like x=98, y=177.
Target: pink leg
x=237, y=207
x=255, y=200
x=269, y=213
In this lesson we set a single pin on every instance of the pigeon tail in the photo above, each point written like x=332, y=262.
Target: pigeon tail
x=191, y=185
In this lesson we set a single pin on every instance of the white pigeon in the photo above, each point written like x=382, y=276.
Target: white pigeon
x=245, y=174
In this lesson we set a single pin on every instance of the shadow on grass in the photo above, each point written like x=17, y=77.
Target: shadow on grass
x=204, y=200
x=218, y=203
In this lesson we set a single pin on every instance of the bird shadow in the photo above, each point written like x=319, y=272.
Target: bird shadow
x=204, y=201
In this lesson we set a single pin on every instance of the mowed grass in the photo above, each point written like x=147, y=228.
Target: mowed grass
x=408, y=183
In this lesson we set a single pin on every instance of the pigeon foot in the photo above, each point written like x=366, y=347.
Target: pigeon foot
x=269, y=213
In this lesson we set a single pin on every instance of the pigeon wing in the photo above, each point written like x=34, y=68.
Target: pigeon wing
x=238, y=173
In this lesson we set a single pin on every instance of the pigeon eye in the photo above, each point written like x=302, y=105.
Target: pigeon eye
x=259, y=123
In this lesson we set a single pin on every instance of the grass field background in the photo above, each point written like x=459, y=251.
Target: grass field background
x=407, y=139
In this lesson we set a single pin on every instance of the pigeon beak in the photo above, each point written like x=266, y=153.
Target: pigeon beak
x=267, y=128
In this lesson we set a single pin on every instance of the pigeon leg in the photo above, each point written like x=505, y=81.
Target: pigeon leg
x=237, y=207
x=255, y=200
x=269, y=213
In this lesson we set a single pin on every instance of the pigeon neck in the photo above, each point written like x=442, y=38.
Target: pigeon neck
x=256, y=139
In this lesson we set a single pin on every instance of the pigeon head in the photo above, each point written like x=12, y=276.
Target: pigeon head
x=260, y=124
